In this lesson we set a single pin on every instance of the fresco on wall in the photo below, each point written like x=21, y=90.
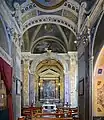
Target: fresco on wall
x=51, y=45
x=98, y=83
x=49, y=2
x=11, y=2
x=3, y=38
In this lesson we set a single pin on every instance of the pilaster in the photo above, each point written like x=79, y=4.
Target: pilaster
x=26, y=82
x=66, y=88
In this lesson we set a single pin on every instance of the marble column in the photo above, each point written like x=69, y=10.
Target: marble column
x=67, y=88
x=31, y=89
x=26, y=83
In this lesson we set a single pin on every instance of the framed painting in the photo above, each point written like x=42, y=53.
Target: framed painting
x=81, y=87
x=49, y=89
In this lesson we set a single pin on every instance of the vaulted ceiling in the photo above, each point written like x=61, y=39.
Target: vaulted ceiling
x=47, y=3
x=47, y=35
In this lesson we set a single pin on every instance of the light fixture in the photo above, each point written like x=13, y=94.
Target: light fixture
x=41, y=88
x=56, y=88
x=39, y=83
x=58, y=84
x=75, y=41
x=2, y=96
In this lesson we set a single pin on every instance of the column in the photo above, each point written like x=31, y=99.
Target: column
x=26, y=83
x=67, y=88
x=31, y=89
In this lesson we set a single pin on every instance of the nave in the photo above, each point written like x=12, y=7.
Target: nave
x=51, y=59
x=60, y=113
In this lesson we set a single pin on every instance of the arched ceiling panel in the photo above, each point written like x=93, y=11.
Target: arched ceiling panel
x=49, y=64
x=55, y=37
x=49, y=44
x=49, y=4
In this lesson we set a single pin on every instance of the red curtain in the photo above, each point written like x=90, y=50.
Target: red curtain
x=6, y=75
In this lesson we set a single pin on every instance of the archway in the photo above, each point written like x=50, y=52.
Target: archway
x=98, y=73
x=98, y=83
x=49, y=81
x=64, y=68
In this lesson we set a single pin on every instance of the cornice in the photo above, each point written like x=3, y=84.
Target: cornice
x=50, y=19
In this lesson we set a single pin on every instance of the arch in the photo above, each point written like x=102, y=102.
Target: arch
x=96, y=39
x=54, y=19
x=44, y=56
x=5, y=46
x=48, y=38
x=98, y=85
x=98, y=74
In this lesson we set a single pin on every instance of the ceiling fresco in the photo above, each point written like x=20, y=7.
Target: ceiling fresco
x=11, y=2
x=51, y=45
x=51, y=36
x=49, y=4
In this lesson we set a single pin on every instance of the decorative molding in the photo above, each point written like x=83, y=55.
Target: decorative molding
x=71, y=5
x=5, y=56
x=50, y=19
x=38, y=58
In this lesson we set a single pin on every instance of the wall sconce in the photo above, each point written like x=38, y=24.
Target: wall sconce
x=75, y=42
x=56, y=88
x=2, y=96
x=39, y=83
x=41, y=88
x=58, y=84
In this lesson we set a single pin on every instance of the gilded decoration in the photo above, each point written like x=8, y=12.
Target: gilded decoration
x=98, y=85
x=49, y=80
x=100, y=96
x=25, y=83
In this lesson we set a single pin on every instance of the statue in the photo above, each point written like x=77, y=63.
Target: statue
x=18, y=14
x=82, y=11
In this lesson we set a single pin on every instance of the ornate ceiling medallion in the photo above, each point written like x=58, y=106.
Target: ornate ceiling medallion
x=49, y=4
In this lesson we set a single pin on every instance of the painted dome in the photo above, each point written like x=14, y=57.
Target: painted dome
x=49, y=4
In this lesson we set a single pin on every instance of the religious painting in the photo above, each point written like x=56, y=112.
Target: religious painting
x=4, y=37
x=49, y=4
x=49, y=89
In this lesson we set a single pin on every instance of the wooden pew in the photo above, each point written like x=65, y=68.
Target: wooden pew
x=53, y=118
x=30, y=111
x=75, y=113
x=59, y=115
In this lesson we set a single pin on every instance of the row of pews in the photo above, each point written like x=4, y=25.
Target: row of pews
x=62, y=113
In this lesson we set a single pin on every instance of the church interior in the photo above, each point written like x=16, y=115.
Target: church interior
x=51, y=60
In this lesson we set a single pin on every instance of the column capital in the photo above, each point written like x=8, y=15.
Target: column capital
x=26, y=56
